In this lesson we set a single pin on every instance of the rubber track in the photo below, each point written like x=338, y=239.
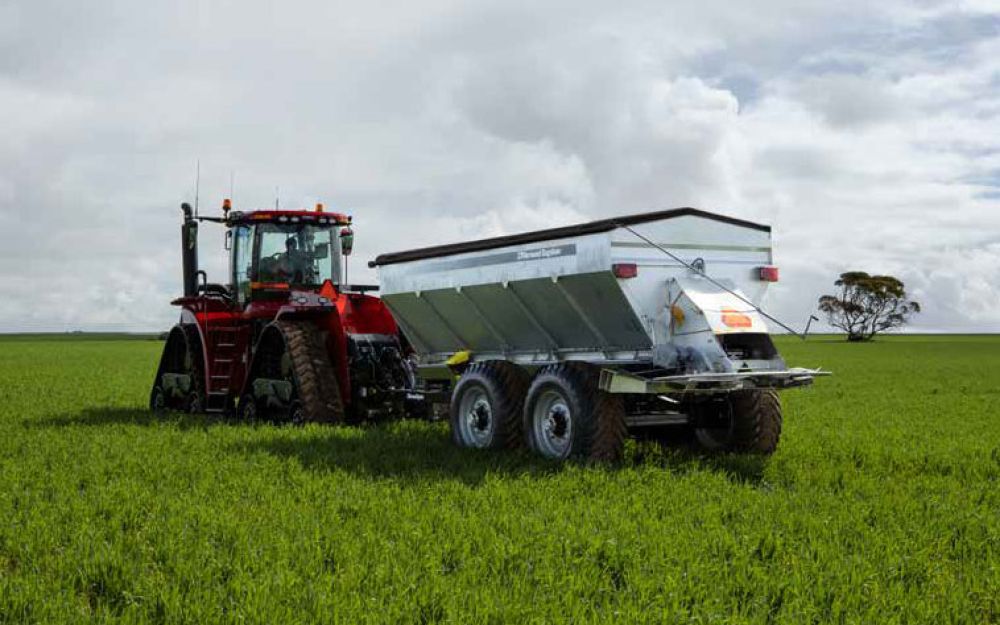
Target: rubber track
x=196, y=353
x=315, y=378
x=604, y=431
x=757, y=426
x=507, y=383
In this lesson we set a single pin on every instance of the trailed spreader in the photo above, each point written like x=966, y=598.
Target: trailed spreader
x=570, y=338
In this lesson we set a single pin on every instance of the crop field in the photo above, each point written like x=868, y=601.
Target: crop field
x=882, y=504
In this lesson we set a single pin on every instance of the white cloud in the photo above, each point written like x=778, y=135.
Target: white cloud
x=865, y=134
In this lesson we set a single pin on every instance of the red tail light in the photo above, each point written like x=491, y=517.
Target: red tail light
x=625, y=270
x=768, y=274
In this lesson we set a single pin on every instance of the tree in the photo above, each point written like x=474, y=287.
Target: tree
x=867, y=305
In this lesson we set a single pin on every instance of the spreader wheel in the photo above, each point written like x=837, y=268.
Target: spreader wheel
x=486, y=405
x=745, y=421
x=566, y=415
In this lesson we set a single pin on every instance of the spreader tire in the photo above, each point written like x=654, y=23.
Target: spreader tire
x=566, y=415
x=747, y=421
x=486, y=405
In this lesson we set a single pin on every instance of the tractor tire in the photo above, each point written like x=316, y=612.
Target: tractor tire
x=315, y=380
x=747, y=421
x=486, y=405
x=566, y=415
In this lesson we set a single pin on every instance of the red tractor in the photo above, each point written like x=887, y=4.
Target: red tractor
x=286, y=338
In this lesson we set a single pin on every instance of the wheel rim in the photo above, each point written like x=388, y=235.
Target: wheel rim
x=297, y=414
x=552, y=424
x=475, y=418
x=159, y=401
x=248, y=409
x=194, y=403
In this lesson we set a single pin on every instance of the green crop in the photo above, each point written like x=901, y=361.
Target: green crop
x=882, y=505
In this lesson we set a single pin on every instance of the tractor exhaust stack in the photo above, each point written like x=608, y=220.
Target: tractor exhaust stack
x=189, y=251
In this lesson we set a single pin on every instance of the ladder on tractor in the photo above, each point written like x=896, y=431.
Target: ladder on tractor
x=224, y=360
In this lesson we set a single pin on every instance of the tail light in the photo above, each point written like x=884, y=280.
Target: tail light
x=767, y=274
x=625, y=270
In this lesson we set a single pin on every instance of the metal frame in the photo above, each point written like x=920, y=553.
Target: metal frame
x=614, y=381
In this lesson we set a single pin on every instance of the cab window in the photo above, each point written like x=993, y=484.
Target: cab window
x=242, y=261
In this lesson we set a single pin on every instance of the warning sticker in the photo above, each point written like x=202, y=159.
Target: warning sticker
x=735, y=319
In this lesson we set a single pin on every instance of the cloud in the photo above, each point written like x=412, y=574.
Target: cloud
x=866, y=135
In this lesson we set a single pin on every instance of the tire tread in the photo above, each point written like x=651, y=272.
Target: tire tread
x=315, y=377
x=601, y=419
x=506, y=384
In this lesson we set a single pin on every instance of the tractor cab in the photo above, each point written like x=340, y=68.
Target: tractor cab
x=274, y=252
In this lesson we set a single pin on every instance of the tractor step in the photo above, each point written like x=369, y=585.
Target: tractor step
x=216, y=401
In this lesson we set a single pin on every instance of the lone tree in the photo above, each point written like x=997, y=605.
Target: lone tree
x=867, y=305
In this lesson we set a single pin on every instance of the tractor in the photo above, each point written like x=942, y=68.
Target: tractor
x=286, y=338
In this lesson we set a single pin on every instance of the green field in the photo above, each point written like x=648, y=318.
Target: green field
x=882, y=504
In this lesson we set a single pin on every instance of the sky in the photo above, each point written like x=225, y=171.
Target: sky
x=867, y=134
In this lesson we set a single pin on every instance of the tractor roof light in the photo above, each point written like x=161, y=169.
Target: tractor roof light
x=319, y=207
x=767, y=273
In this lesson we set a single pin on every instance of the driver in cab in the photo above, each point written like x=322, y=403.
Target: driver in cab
x=294, y=264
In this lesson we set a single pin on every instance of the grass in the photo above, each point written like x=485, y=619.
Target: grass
x=882, y=504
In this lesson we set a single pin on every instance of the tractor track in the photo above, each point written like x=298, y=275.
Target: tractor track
x=315, y=378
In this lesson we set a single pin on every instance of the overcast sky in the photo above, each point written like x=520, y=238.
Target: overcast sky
x=866, y=133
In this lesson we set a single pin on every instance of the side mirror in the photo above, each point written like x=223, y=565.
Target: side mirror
x=346, y=241
x=229, y=240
